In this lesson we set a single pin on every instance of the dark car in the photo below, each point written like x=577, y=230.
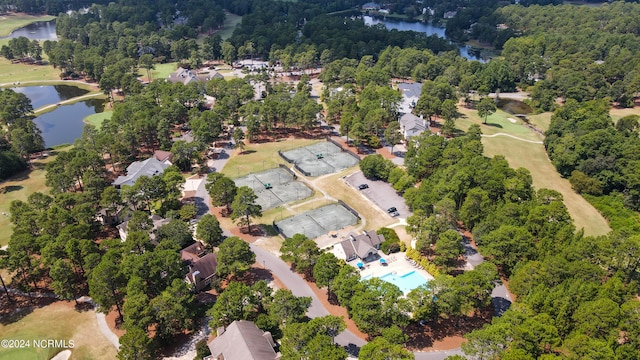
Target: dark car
x=363, y=186
x=392, y=209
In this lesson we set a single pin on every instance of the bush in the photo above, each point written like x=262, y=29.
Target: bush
x=375, y=167
x=388, y=247
x=202, y=349
x=389, y=234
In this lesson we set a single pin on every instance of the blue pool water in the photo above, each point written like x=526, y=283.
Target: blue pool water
x=406, y=282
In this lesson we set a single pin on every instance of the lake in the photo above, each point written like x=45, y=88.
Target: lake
x=50, y=94
x=40, y=30
x=427, y=28
x=64, y=124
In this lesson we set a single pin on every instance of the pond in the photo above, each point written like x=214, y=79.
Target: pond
x=50, y=94
x=64, y=124
x=465, y=50
x=513, y=106
x=40, y=30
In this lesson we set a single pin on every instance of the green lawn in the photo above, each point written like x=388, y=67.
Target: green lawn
x=230, y=23
x=10, y=73
x=534, y=158
x=19, y=188
x=10, y=22
x=97, y=119
x=541, y=121
x=496, y=123
x=261, y=156
x=58, y=321
x=161, y=71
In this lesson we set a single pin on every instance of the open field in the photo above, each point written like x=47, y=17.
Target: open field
x=541, y=121
x=496, y=123
x=617, y=113
x=230, y=23
x=258, y=157
x=58, y=321
x=19, y=188
x=161, y=71
x=10, y=73
x=97, y=119
x=13, y=21
x=534, y=158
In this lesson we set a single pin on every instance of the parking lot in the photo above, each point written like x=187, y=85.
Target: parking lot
x=380, y=193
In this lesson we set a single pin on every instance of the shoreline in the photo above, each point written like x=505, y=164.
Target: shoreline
x=28, y=20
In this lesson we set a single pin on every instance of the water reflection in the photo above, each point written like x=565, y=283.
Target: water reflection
x=51, y=94
x=64, y=124
x=466, y=51
x=41, y=30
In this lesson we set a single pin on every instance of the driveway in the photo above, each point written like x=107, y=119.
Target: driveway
x=380, y=193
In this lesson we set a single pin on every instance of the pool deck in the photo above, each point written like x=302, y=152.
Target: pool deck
x=395, y=263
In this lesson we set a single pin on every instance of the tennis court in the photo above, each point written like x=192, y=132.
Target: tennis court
x=274, y=187
x=317, y=222
x=320, y=159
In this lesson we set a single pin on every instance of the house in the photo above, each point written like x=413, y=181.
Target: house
x=149, y=167
x=157, y=221
x=371, y=6
x=242, y=340
x=410, y=95
x=186, y=77
x=200, y=265
x=364, y=246
x=450, y=14
x=411, y=125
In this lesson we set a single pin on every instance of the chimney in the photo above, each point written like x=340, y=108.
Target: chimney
x=220, y=330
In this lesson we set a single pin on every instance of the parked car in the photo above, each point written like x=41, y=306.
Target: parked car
x=394, y=214
x=363, y=186
x=392, y=209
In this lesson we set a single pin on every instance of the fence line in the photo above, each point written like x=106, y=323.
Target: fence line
x=351, y=210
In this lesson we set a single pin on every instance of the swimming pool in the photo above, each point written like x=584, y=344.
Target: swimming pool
x=406, y=282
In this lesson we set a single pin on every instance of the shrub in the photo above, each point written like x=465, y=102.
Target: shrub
x=375, y=167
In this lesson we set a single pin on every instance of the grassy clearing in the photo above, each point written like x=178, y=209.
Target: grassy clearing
x=81, y=327
x=10, y=22
x=230, y=23
x=258, y=157
x=496, y=123
x=541, y=121
x=161, y=71
x=10, y=73
x=97, y=119
x=534, y=158
x=19, y=188
x=617, y=113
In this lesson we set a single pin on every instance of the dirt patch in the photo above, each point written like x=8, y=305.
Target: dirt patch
x=445, y=334
x=111, y=319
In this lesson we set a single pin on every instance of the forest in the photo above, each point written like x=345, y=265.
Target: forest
x=576, y=296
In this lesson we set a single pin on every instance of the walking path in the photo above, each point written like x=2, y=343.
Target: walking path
x=72, y=100
x=513, y=137
x=106, y=331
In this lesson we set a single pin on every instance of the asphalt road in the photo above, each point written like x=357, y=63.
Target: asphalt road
x=295, y=283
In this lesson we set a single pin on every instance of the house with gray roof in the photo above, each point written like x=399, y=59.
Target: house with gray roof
x=411, y=125
x=364, y=246
x=150, y=167
x=410, y=95
x=186, y=76
x=242, y=340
